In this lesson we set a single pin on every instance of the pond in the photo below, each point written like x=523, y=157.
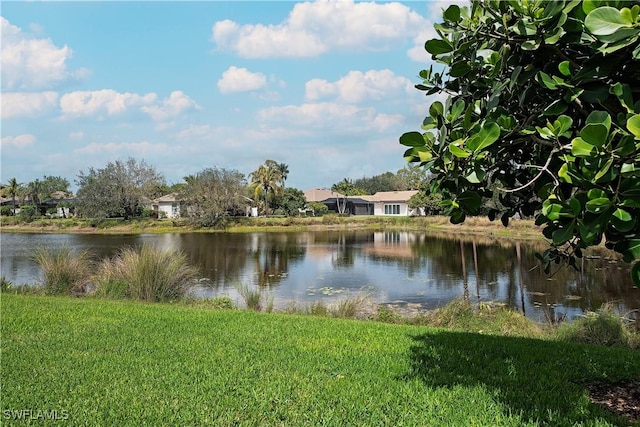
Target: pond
x=413, y=269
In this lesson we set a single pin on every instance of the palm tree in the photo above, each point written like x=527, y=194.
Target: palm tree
x=14, y=187
x=266, y=179
x=283, y=170
x=34, y=190
x=346, y=188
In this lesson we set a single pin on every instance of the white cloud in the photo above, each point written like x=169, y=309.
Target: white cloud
x=173, y=106
x=330, y=117
x=383, y=122
x=194, y=132
x=240, y=80
x=100, y=102
x=356, y=87
x=26, y=104
x=76, y=135
x=18, y=141
x=129, y=148
x=312, y=29
x=32, y=63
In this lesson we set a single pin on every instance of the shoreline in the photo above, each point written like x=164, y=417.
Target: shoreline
x=517, y=229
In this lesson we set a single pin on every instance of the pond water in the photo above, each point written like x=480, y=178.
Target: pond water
x=419, y=270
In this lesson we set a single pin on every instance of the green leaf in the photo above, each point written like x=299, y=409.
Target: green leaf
x=489, y=133
x=603, y=171
x=563, y=173
x=605, y=20
x=600, y=117
x=622, y=221
x=595, y=134
x=598, y=205
x=437, y=46
x=436, y=109
x=633, y=125
x=545, y=80
x=423, y=154
x=456, y=109
x=459, y=69
x=452, y=14
x=629, y=169
x=469, y=200
x=563, y=235
x=581, y=148
x=630, y=249
x=459, y=152
x=562, y=124
x=556, y=107
x=457, y=216
x=477, y=176
x=412, y=139
x=565, y=68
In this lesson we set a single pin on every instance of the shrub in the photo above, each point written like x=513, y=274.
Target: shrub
x=603, y=327
x=64, y=271
x=147, y=273
x=6, y=210
x=28, y=213
x=319, y=209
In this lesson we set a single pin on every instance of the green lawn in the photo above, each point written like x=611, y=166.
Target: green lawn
x=128, y=363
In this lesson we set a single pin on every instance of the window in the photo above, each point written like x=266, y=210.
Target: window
x=392, y=209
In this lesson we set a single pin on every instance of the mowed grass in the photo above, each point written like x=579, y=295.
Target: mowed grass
x=131, y=363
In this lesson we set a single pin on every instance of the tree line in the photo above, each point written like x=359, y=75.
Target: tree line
x=125, y=189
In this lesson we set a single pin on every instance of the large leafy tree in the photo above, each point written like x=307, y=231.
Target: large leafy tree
x=120, y=189
x=290, y=201
x=543, y=111
x=51, y=184
x=213, y=195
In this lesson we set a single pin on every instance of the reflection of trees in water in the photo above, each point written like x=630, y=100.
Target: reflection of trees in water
x=503, y=267
x=224, y=258
x=273, y=253
x=221, y=257
x=491, y=266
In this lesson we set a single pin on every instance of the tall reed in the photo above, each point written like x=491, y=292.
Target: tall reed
x=146, y=273
x=63, y=271
x=253, y=298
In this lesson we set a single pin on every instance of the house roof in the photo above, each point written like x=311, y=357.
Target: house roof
x=353, y=199
x=320, y=194
x=390, y=196
x=167, y=198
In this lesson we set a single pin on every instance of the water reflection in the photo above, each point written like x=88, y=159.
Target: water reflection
x=393, y=266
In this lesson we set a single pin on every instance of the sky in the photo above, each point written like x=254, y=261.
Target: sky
x=326, y=87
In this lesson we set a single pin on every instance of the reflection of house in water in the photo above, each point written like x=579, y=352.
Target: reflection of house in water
x=391, y=244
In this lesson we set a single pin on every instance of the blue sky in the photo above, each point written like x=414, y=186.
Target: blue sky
x=326, y=86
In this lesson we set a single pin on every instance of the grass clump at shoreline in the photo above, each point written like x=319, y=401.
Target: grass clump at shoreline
x=63, y=271
x=146, y=273
x=130, y=363
x=603, y=327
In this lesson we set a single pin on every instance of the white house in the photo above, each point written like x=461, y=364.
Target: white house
x=167, y=206
x=395, y=203
x=392, y=203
